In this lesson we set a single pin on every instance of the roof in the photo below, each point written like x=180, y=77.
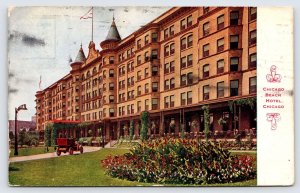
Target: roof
x=113, y=33
x=80, y=56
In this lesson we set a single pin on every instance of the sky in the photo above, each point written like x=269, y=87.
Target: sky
x=41, y=40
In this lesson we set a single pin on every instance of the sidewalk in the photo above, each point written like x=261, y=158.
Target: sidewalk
x=50, y=155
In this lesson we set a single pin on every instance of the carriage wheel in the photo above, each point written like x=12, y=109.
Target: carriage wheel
x=81, y=149
x=58, y=152
x=71, y=150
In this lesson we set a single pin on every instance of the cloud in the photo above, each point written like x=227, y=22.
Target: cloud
x=28, y=40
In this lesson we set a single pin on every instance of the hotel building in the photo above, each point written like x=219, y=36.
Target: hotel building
x=186, y=58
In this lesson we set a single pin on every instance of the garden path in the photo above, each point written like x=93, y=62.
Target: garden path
x=50, y=155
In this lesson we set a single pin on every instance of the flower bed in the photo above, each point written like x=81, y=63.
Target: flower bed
x=180, y=161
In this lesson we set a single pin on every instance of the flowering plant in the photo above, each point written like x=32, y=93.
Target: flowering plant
x=180, y=161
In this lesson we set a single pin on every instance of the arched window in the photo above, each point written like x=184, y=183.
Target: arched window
x=94, y=70
x=88, y=74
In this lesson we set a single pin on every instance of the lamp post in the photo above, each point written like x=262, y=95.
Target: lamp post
x=21, y=107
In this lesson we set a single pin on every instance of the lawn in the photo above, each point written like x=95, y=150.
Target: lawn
x=30, y=151
x=76, y=170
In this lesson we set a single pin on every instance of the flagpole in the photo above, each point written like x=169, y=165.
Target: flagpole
x=92, y=23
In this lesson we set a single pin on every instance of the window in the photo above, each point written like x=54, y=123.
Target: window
x=111, y=73
x=139, y=59
x=139, y=75
x=111, y=86
x=234, y=18
x=111, y=112
x=111, y=98
x=154, y=54
x=172, y=30
x=253, y=13
x=183, y=80
x=206, y=29
x=166, y=33
x=172, y=101
x=220, y=22
x=172, y=66
x=128, y=53
x=167, y=68
x=154, y=70
x=154, y=86
x=146, y=39
x=167, y=50
x=111, y=60
x=154, y=104
x=182, y=24
x=220, y=45
x=234, y=64
x=234, y=88
x=220, y=89
x=190, y=60
x=253, y=59
x=139, y=106
x=234, y=42
x=139, y=90
x=252, y=85
x=146, y=56
x=166, y=100
x=189, y=97
x=139, y=45
x=132, y=109
x=146, y=104
x=183, y=62
x=252, y=40
x=190, y=41
x=220, y=66
x=206, y=50
x=172, y=48
x=154, y=37
x=206, y=92
x=167, y=84
x=128, y=109
x=172, y=83
x=190, y=78
x=206, y=70
x=146, y=72
x=146, y=88
x=183, y=98
x=183, y=43
x=189, y=21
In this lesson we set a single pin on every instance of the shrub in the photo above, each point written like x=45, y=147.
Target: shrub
x=180, y=161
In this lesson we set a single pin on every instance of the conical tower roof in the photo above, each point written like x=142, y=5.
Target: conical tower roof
x=113, y=33
x=80, y=56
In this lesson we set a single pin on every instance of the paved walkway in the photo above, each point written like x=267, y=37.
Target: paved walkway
x=50, y=155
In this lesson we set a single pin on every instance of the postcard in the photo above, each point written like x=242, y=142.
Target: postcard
x=150, y=96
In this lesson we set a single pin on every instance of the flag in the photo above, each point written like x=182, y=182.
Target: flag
x=40, y=83
x=88, y=15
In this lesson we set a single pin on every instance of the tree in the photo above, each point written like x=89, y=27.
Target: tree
x=145, y=125
x=22, y=137
x=131, y=130
x=205, y=109
x=11, y=136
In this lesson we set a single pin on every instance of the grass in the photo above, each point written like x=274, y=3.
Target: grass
x=30, y=151
x=77, y=170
